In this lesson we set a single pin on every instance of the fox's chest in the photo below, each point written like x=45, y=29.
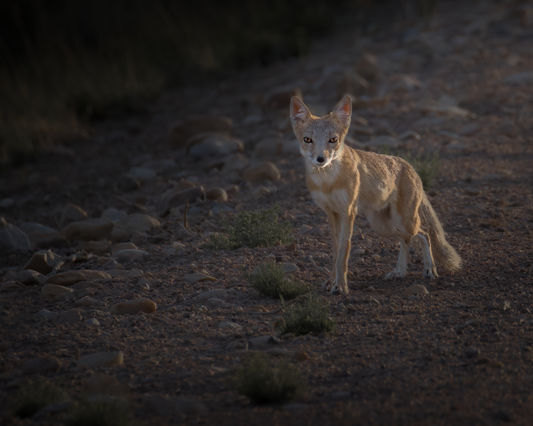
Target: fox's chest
x=336, y=200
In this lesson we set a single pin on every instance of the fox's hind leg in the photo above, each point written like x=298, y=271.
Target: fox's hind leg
x=430, y=270
x=401, y=265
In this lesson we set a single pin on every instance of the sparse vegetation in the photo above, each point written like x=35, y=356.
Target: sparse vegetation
x=252, y=229
x=265, y=382
x=426, y=166
x=100, y=413
x=271, y=281
x=36, y=395
x=310, y=315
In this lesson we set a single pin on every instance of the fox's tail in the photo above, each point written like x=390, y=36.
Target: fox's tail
x=443, y=253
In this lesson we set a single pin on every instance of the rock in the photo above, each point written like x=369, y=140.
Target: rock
x=213, y=293
x=183, y=132
x=29, y=277
x=50, y=291
x=43, y=313
x=507, y=128
x=132, y=224
x=130, y=254
x=503, y=306
x=454, y=147
x=472, y=191
x=234, y=163
x=71, y=316
x=469, y=129
x=113, y=215
x=92, y=322
x=268, y=147
x=43, y=262
x=86, y=301
x=262, y=171
x=380, y=141
x=409, y=134
x=472, y=352
x=56, y=407
x=102, y=384
x=71, y=277
x=443, y=109
x=216, y=146
x=12, y=238
x=217, y=194
x=37, y=232
x=41, y=364
x=142, y=174
x=7, y=203
x=166, y=406
x=126, y=183
x=521, y=78
x=72, y=213
x=289, y=268
x=231, y=325
x=262, y=342
x=133, y=273
x=180, y=198
x=402, y=83
x=192, y=278
x=88, y=230
x=133, y=307
x=86, y=285
x=415, y=289
x=101, y=359
x=11, y=285
x=97, y=247
x=123, y=246
x=260, y=191
x=367, y=67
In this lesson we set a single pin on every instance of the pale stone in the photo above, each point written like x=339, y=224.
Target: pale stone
x=43, y=313
x=76, y=294
x=71, y=316
x=123, y=246
x=92, y=322
x=289, y=268
x=43, y=262
x=97, y=247
x=40, y=365
x=53, y=290
x=88, y=230
x=86, y=301
x=212, y=293
x=29, y=277
x=133, y=307
x=262, y=171
x=101, y=359
x=192, y=278
x=72, y=277
x=130, y=254
x=415, y=289
x=231, y=325
x=86, y=284
x=11, y=285
x=133, y=273
x=217, y=194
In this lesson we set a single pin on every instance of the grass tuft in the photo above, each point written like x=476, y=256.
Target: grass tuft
x=426, y=166
x=36, y=395
x=252, y=229
x=308, y=316
x=265, y=382
x=100, y=413
x=271, y=281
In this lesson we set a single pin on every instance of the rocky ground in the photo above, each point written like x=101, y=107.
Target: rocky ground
x=93, y=226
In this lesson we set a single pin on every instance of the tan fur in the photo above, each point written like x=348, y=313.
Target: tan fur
x=386, y=189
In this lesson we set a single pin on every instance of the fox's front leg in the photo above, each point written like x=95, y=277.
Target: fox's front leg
x=333, y=219
x=345, y=230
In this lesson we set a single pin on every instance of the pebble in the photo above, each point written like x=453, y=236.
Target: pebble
x=217, y=194
x=179, y=197
x=524, y=77
x=415, y=289
x=289, y=268
x=86, y=284
x=414, y=298
x=133, y=307
x=92, y=321
x=86, y=301
x=113, y=215
x=101, y=359
x=72, y=277
x=53, y=290
x=469, y=129
x=232, y=325
x=472, y=191
x=196, y=277
x=216, y=146
x=88, y=230
x=130, y=254
x=40, y=365
x=71, y=316
x=260, y=191
x=132, y=224
x=504, y=306
x=11, y=285
x=43, y=313
x=123, y=246
x=212, y=293
x=126, y=183
x=43, y=262
x=12, y=238
x=97, y=247
x=472, y=352
x=132, y=273
x=263, y=171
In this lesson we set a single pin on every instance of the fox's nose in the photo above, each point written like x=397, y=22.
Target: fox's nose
x=320, y=159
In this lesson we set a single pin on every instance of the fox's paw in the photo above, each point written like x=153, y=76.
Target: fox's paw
x=328, y=284
x=394, y=274
x=430, y=273
x=339, y=289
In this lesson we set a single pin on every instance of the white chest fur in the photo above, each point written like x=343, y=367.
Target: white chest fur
x=325, y=196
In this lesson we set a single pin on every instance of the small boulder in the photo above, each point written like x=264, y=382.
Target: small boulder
x=217, y=194
x=97, y=247
x=71, y=316
x=518, y=79
x=41, y=364
x=132, y=224
x=216, y=146
x=88, y=230
x=50, y=291
x=12, y=238
x=92, y=322
x=86, y=301
x=129, y=254
x=11, y=285
x=415, y=289
x=30, y=277
x=262, y=171
x=133, y=307
x=182, y=133
x=123, y=246
x=71, y=277
x=113, y=215
x=43, y=313
x=43, y=262
x=142, y=174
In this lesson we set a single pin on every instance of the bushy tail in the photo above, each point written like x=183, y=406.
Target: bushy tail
x=443, y=253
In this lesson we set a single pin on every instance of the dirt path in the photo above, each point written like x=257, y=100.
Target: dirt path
x=460, y=354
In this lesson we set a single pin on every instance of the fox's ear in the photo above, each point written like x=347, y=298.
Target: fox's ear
x=299, y=111
x=343, y=111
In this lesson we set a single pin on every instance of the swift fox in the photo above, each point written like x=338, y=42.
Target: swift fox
x=387, y=190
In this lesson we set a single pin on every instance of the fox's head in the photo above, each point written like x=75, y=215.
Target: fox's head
x=321, y=138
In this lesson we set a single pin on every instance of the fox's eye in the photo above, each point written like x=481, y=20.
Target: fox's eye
x=334, y=140
x=308, y=140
